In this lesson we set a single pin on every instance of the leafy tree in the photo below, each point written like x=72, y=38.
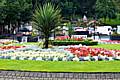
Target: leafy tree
x=72, y=8
x=46, y=18
x=25, y=7
x=17, y=11
x=117, y=3
x=105, y=9
x=2, y=15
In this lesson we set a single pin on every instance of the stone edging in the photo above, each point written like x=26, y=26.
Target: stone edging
x=19, y=75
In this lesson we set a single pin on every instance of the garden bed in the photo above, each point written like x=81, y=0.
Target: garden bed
x=114, y=37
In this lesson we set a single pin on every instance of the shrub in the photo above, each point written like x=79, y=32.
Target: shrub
x=87, y=43
x=115, y=34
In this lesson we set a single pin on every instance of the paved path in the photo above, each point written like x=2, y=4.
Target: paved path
x=18, y=75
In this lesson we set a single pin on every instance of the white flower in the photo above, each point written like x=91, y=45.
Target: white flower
x=87, y=58
x=13, y=57
x=39, y=58
x=75, y=59
x=96, y=58
x=55, y=58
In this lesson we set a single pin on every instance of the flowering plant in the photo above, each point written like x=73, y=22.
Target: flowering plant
x=10, y=47
x=91, y=52
x=67, y=38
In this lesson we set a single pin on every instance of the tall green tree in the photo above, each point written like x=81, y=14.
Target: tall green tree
x=105, y=9
x=17, y=11
x=2, y=15
x=117, y=3
x=46, y=18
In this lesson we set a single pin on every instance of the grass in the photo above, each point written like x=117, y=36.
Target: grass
x=23, y=65
x=28, y=43
x=108, y=46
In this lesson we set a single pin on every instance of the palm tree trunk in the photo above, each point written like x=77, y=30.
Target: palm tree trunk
x=46, y=42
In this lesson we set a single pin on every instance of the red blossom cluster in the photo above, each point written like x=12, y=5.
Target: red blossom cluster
x=110, y=41
x=68, y=38
x=10, y=47
x=88, y=51
x=62, y=37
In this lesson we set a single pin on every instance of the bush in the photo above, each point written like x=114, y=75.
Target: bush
x=87, y=43
x=115, y=34
x=5, y=36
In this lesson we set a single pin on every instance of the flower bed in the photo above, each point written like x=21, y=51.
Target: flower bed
x=109, y=42
x=10, y=47
x=60, y=53
x=94, y=54
x=66, y=40
x=36, y=53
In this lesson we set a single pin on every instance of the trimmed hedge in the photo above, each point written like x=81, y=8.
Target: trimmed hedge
x=87, y=43
x=114, y=37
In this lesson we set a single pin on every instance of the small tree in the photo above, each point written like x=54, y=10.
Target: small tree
x=46, y=18
x=70, y=29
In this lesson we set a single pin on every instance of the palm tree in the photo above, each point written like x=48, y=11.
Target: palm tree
x=46, y=18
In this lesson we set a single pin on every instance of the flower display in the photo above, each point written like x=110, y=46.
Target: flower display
x=61, y=53
x=109, y=42
x=62, y=38
x=10, y=47
x=34, y=53
x=88, y=53
x=67, y=38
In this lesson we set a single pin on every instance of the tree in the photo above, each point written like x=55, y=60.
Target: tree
x=13, y=12
x=70, y=29
x=25, y=11
x=105, y=9
x=2, y=15
x=72, y=8
x=117, y=3
x=46, y=18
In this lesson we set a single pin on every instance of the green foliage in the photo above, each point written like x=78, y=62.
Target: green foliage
x=117, y=3
x=34, y=34
x=86, y=42
x=71, y=8
x=46, y=19
x=105, y=9
x=2, y=12
x=13, y=12
x=70, y=29
x=115, y=34
x=108, y=21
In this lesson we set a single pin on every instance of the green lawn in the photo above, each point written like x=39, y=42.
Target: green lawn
x=108, y=46
x=28, y=43
x=98, y=66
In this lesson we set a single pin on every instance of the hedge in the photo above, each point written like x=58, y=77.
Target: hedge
x=87, y=43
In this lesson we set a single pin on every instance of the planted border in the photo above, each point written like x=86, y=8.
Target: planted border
x=87, y=43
